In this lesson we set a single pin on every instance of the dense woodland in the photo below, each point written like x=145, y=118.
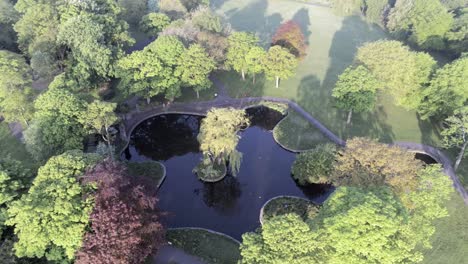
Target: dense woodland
x=77, y=206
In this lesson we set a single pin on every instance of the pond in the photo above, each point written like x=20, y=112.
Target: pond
x=232, y=205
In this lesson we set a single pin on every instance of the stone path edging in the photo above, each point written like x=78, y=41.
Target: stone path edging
x=200, y=108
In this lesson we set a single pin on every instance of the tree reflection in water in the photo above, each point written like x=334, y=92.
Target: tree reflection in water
x=223, y=195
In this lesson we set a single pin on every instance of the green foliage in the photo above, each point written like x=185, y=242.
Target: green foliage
x=8, y=16
x=194, y=67
x=426, y=204
x=346, y=7
x=208, y=20
x=457, y=37
x=254, y=61
x=364, y=226
x=99, y=117
x=152, y=71
x=283, y=239
x=289, y=205
x=53, y=207
x=240, y=43
x=447, y=91
x=423, y=22
x=356, y=90
x=56, y=126
x=279, y=63
x=173, y=8
x=365, y=163
x=96, y=37
x=133, y=10
x=153, y=23
x=13, y=178
x=218, y=136
x=375, y=10
x=402, y=71
x=16, y=92
x=455, y=133
x=314, y=166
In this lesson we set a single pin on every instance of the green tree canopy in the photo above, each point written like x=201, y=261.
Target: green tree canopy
x=375, y=10
x=455, y=133
x=16, y=93
x=279, y=63
x=153, y=23
x=56, y=126
x=402, y=71
x=314, y=166
x=346, y=7
x=50, y=220
x=218, y=136
x=364, y=226
x=282, y=239
x=239, y=45
x=194, y=67
x=365, y=162
x=152, y=71
x=254, y=59
x=423, y=22
x=447, y=91
x=356, y=90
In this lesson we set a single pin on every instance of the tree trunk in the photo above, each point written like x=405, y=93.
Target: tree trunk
x=460, y=156
x=350, y=114
x=277, y=81
x=198, y=94
x=107, y=139
x=148, y=100
x=243, y=75
x=253, y=81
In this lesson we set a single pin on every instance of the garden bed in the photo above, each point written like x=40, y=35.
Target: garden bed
x=210, y=246
x=281, y=205
x=207, y=174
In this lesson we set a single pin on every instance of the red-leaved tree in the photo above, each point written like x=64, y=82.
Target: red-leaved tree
x=125, y=225
x=289, y=35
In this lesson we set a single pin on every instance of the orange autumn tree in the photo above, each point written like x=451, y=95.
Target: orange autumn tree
x=289, y=35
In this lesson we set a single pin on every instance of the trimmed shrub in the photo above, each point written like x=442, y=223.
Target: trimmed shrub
x=314, y=166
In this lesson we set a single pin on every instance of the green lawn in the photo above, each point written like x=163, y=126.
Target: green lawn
x=12, y=147
x=333, y=42
x=151, y=169
x=210, y=247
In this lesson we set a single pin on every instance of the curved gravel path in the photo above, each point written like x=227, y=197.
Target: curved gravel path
x=201, y=108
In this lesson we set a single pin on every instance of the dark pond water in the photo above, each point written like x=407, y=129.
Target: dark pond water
x=232, y=205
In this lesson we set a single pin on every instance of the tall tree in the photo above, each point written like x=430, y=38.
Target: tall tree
x=402, y=71
x=346, y=7
x=50, y=220
x=153, y=23
x=289, y=35
x=455, y=133
x=254, y=59
x=457, y=37
x=239, y=45
x=194, y=67
x=376, y=10
x=56, y=126
x=16, y=93
x=279, y=63
x=218, y=136
x=447, y=91
x=95, y=35
x=98, y=118
x=356, y=90
x=282, y=239
x=365, y=162
x=152, y=71
x=423, y=22
x=8, y=16
x=125, y=225
x=364, y=226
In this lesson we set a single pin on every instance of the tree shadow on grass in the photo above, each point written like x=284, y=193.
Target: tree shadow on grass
x=303, y=19
x=238, y=88
x=253, y=18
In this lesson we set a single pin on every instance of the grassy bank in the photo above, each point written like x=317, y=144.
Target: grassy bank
x=285, y=205
x=210, y=247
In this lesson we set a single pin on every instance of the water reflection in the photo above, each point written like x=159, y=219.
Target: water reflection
x=232, y=205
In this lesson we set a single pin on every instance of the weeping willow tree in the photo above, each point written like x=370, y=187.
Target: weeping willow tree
x=218, y=140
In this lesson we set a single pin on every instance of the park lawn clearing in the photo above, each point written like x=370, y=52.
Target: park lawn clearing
x=296, y=134
x=450, y=240
x=214, y=248
x=332, y=44
x=282, y=205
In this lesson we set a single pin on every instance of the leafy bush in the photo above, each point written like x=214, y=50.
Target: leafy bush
x=285, y=205
x=153, y=23
x=314, y=166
